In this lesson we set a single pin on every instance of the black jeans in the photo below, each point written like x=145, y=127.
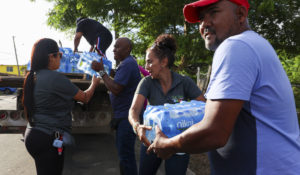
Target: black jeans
x=175, y=165
x=39, y=146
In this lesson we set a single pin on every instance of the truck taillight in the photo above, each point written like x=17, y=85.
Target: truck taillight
x=3, y=115
x=15, y=115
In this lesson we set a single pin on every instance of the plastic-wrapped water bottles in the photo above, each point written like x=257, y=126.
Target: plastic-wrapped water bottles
x=80, y=62
x=173, y=119
x=65, y=61
x=86, y=59
x=69, y=60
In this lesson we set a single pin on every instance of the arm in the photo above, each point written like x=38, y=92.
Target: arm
x=201, y=98
x=135, y=109
x=115, y=88
x=211, y=133
x=77, y=39
x=134, y=112
x=92, y=48
x=85, y=96
x=112, y=73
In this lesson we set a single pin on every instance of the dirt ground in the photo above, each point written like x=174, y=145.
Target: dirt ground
x=199, y=164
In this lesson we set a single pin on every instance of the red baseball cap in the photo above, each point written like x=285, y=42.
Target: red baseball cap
x=191, y=14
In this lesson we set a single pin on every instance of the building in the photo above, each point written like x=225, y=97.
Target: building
x=13, y=69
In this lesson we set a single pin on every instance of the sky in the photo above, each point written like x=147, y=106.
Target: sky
x=26, y=21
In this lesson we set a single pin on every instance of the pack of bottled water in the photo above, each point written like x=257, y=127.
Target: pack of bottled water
x=173, y=119
x=86, y=59
x=69, y=60
x=80, y=62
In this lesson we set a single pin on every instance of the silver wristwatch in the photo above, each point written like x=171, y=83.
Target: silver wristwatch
x=102, y=73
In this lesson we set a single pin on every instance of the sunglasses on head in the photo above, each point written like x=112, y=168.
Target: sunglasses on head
x=55, y=54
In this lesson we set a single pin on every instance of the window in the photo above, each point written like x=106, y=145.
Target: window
x=9, y=69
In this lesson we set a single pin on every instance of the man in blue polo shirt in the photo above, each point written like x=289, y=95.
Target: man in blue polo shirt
x=250, y=125
x=122, y=89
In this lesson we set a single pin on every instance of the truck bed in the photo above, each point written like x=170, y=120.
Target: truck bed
x=93, y=117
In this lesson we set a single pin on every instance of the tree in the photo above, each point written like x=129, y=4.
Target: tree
x=144, y=20
x=278, y=21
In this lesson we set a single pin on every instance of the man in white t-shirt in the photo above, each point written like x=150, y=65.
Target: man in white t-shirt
x=250, y=125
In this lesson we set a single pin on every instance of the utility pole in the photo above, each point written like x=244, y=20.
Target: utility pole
x=16, y=55
x=59, y=43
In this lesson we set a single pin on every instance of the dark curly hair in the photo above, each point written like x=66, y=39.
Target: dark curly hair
x=165, y=47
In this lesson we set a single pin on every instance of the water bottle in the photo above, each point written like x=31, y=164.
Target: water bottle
x=170, y=125
x=73, y=63
x=62, y=66
x=151, y=121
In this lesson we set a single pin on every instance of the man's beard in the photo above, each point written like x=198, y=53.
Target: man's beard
x=215, y=45
x=212, y=45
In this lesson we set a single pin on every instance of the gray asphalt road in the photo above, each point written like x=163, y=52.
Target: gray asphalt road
x=8, y=102
x=93, y=154
x=14, y=159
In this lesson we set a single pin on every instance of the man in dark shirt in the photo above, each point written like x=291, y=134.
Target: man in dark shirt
x=94, y=32
x=122, y=89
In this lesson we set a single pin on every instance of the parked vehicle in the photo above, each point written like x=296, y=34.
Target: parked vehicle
x=8, y=90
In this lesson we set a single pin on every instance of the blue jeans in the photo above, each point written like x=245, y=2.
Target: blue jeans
x=125, y=140
x=175, y=165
